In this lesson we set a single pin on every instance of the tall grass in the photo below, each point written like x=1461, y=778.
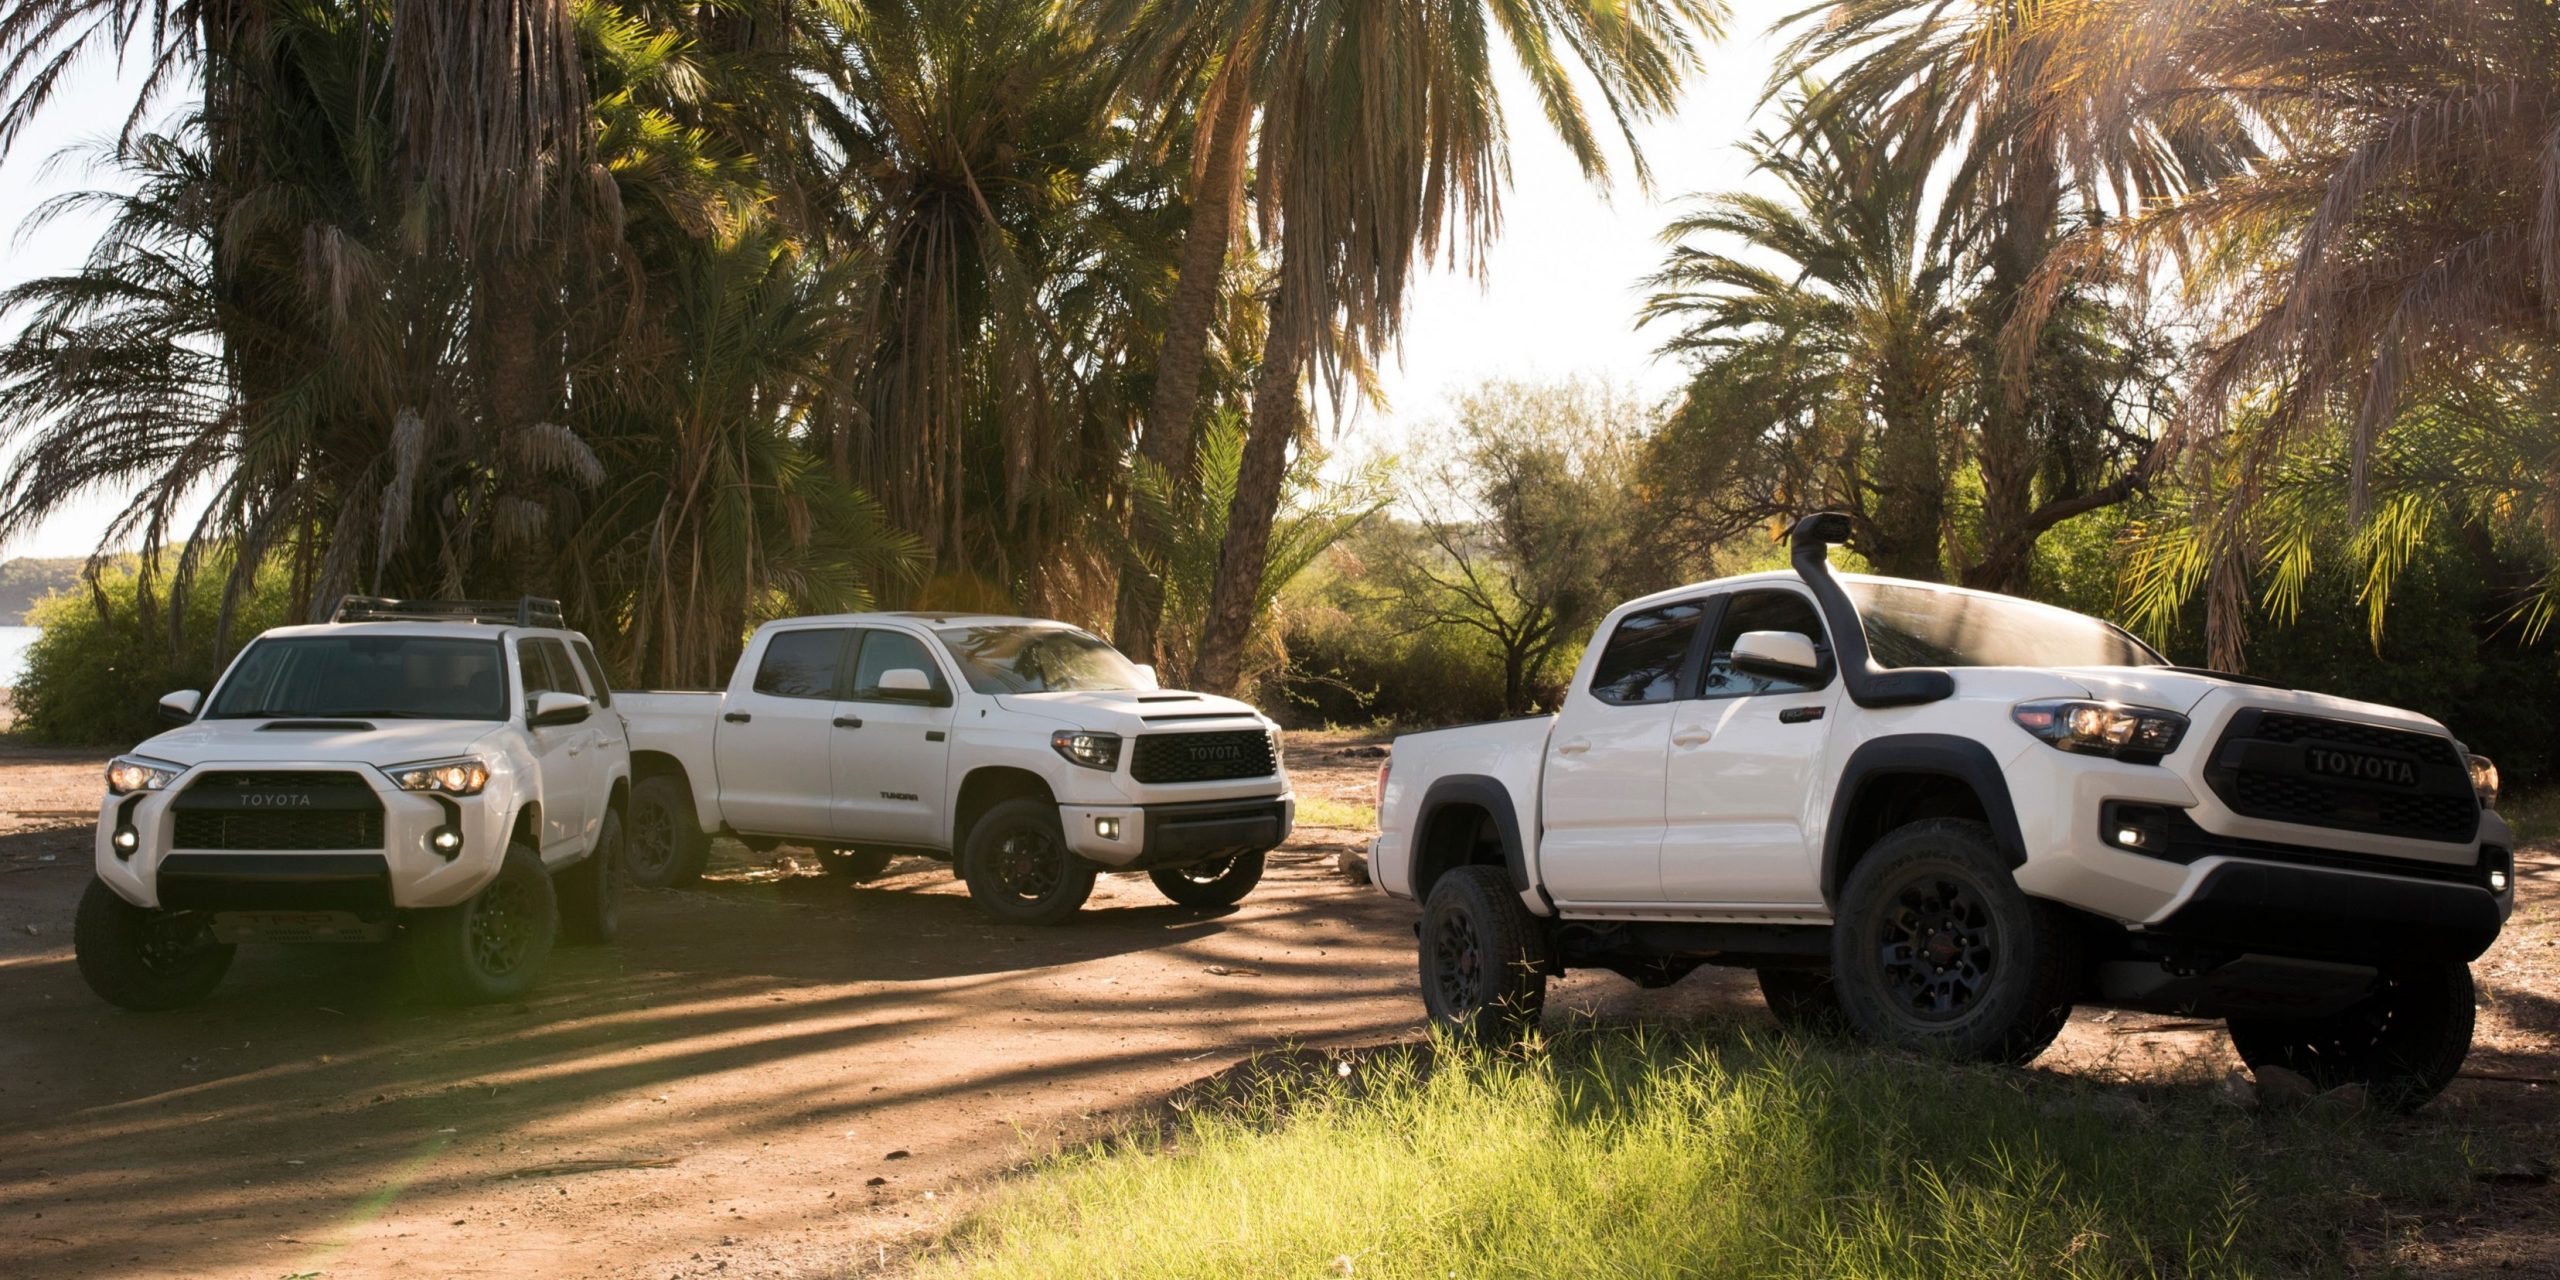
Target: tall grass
x=1623, y=1154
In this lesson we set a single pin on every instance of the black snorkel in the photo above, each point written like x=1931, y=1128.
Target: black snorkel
x=1809, y=550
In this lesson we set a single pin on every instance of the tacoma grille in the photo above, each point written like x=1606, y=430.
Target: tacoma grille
x=1203, y=757
x=277, y=810
x=2318, y=772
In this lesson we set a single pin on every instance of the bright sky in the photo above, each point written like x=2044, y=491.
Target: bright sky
x=1557, y=295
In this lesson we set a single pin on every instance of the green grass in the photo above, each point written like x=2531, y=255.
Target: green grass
x=1624, y=1154
x=1325, y=811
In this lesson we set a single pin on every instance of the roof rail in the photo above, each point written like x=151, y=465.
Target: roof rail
x=524, y=611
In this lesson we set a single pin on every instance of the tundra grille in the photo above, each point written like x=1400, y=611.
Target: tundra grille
x=1203, y=757
x=2318, y=772
x=277, y=810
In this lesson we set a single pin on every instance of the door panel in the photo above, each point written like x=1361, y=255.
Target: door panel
x=890, y=769
x=557, y=783
x=1601, y=840
x=1746, y=774
x=775, y=776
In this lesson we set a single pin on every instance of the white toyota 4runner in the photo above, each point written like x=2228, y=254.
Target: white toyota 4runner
x=1945, y=817
x=1029, y=753
x=450, y=773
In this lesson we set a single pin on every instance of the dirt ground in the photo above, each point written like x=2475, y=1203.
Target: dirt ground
x=778, y=1074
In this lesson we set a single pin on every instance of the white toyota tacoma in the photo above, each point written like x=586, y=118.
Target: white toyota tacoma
x=1029, y=753
x=450, y=774
x=1945, y=817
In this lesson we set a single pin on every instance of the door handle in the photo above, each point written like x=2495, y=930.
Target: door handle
x=738, y=717
x=1573, y=746
x=848, y=722
x=1692, y=738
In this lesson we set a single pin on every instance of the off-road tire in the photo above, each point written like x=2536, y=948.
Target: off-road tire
x=855, y=865
x=665, y=845
x=1219, y=882
x=2403, y=1042
x=1019, y=867
x=1936, y=948
x=1803, y=1000
x=590, y=889
x=1484, y=957
x=144, y=959
x=492, y=946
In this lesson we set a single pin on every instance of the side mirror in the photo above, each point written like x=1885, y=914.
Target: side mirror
x=180, y=707
x=1776, y=653
x=1147, y=677
x=908, y=684
x=556, y=707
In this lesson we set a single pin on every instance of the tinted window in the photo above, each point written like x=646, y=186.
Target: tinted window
x=368, y=676
x=1036, y=659
x=564, y=669
x=1761, y=611
x=801, y=664
x=538, y=676
x=1646, y=653
x=1910, y=625
x=886, y=651
x=602, y=687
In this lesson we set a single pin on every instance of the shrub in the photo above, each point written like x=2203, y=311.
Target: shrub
x=95, y=678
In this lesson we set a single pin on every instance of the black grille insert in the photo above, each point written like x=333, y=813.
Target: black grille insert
x=277, y=810
x=2287, y=768
x=1203, y=757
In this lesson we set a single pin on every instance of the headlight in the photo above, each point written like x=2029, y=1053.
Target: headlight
x=1092, y=750
x=2103, y=728
x=463, y=777
x=128, y=774
x=2484, y=781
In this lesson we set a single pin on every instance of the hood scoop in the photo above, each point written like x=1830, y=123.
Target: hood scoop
x=1168, y=697
x=316, y=726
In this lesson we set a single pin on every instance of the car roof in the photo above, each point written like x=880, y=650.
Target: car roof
x=926, y=617
x=1789, y=577
x=454, y=630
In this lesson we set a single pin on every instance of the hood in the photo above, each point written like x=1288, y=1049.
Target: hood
x=1128, y=710
x=2183, y=689
x=388, y=742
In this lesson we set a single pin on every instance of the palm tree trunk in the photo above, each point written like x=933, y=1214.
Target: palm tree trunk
x=1165, y=438
x=1242, y=556
x=2008, y=451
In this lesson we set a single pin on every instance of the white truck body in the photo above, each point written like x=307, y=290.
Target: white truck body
x=812, y=743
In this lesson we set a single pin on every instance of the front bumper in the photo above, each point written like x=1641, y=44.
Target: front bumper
x=405, y=872
x=1139, y=836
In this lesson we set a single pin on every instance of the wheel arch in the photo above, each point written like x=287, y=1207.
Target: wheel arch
x=1467, y=819
x=984, y=788
x=1891, y=781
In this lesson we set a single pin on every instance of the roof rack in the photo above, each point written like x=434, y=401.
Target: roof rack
x=524, y=611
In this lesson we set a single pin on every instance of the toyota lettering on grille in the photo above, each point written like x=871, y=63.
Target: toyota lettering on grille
x=2329, y=762
x=1215, y=753
x=274, y=800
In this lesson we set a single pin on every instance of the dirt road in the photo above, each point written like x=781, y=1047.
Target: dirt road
x=772, y=1074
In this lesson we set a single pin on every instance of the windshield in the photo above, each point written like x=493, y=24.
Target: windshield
x=1917, y=626
x=366, y=676
x=1037, y=660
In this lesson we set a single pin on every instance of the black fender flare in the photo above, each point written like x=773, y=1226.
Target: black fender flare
x=1488, y=794
x=1933, y=754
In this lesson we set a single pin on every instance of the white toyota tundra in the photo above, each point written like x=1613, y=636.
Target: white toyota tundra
x=1944, y=817
x=1029, y=753
x=451, y=774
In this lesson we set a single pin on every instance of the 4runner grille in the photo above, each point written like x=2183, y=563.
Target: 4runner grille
x=1202, y=757
x=277, y=810
x=2319, y=772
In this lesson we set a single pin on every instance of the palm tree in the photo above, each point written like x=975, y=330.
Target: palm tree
x=1382, y=142
x=1846, y=289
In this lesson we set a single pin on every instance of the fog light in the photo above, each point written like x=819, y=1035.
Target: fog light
x=2497, y=879
x=447, y=842
x=127, y=840
x=2133, y=837
x=1107, y=828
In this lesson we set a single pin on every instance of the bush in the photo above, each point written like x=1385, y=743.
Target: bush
x=96, y=678
x=1718, y=1154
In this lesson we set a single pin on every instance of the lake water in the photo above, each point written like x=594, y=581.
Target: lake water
x=13, y=653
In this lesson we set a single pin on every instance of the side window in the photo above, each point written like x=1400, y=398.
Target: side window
x=1762, y=611
x=1646, y=654
x=595, y=673
x=564, y=671
x=885, y=651
x=538, y=677
x=802, y=664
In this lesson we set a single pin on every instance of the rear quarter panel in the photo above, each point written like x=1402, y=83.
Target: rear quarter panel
x=679, y=726
x=1510, y=752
